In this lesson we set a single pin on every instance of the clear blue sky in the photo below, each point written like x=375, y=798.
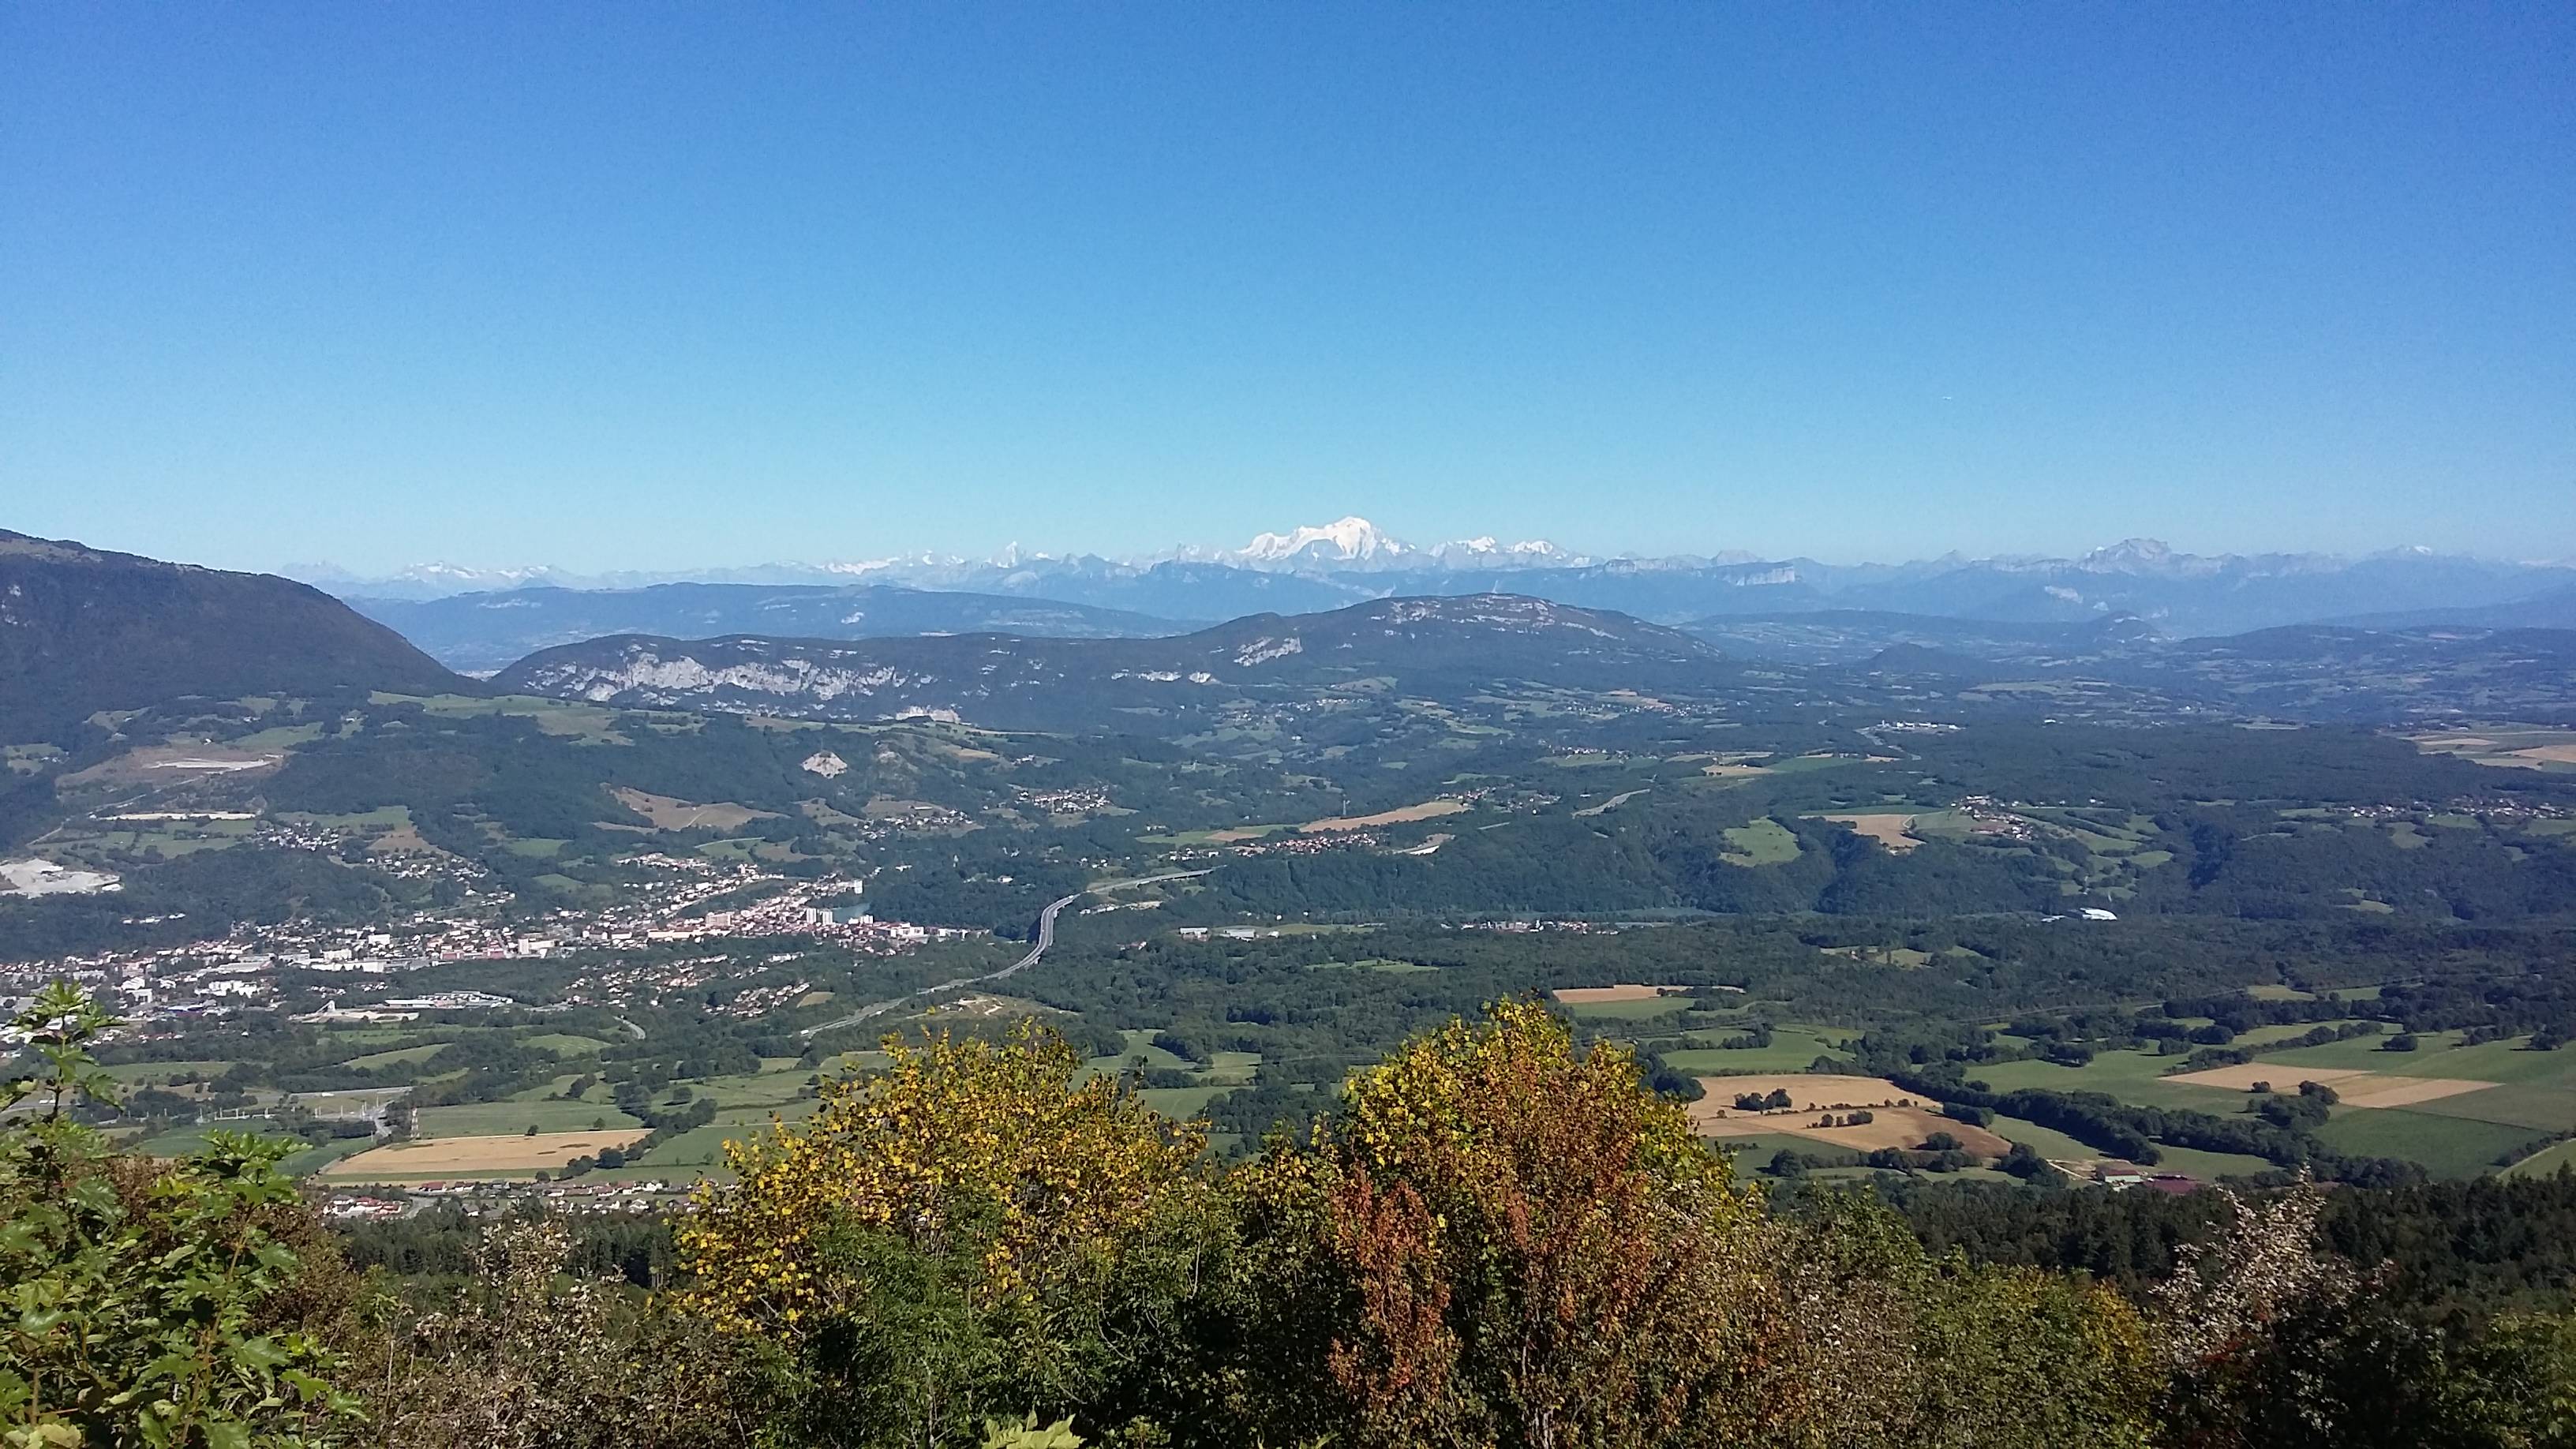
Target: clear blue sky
x=654, y=285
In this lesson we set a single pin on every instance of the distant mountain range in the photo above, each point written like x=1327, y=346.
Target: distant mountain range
x=479, y=633
x=1357, y=544
x=1346, y=545
x=1327, y=676
x=1170, y=685
x=83, y=630
x=1349, y=561
x=2296, y=671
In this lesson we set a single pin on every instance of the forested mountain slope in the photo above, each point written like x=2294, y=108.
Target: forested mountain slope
x=83, y=630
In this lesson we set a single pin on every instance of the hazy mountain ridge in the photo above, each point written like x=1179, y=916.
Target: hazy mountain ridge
x=1325, y=566
x=483, y=632
x=2555, y=609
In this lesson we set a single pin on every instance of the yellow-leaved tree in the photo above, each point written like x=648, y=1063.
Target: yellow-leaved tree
x=975, y=1232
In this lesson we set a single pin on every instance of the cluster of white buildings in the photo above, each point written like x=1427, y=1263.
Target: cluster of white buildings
x=492, y=1197
x=242, y=971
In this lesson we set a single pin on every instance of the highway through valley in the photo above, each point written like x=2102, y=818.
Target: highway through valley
x=1037, y=948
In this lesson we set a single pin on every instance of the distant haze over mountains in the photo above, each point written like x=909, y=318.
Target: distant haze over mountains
x=482, y=632
x=1333, y=565
x=86, y=635
x=1345, y=544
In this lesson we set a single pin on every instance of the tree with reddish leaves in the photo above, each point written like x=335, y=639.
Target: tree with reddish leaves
x=1512, y=1243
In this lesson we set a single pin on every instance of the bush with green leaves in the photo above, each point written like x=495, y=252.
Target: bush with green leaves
x=133, y=1306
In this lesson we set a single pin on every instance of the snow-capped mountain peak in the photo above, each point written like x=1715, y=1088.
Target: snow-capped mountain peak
x=1485, y=551
x=2149, y=557
x=2131, y=551
x=1351, y=540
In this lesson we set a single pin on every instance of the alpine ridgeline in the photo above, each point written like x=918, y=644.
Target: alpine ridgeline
x=1326, y=566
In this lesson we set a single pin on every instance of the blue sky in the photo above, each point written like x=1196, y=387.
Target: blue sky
x=659, y=285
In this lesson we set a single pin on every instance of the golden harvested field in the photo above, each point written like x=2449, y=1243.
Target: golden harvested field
x=1896, y=1119
x=547, y=1151
x=1887, y=829
x=1906, y=1128
x=2353, y=1086
x=2534, y=749
x=1427, y=810
x=667, y=813
x=1593, y=995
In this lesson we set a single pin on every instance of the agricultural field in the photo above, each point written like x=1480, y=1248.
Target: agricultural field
x=482, y=1119
x=1764, y=842
x=1808, y=1092
x=1898, y=1118
x=2137, y=1077
x=2505, y=747
x=1623, y=1003
x=1891, y=829
x=1792, y=1048
x=1902, y=1128
x=401, y=1057
x=518, y=1155
x=1406, y=815
x=2547, y=1162
x=2445, y=1146
x=667, y=813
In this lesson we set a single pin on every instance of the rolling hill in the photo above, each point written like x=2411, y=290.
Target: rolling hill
x=1430, y=646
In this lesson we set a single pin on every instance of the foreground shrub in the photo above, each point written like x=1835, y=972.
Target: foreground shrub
x=136, y=1292
x=1501, y=1240
x=518, y=1359
x=1875, y=1343
x=974, y=1233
